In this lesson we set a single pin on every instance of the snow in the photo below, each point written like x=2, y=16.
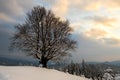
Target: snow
x=34, y=73
x=109, y=70
x=117, y=78
x=107, y=76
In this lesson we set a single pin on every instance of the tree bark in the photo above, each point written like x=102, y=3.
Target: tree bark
x=44, y=62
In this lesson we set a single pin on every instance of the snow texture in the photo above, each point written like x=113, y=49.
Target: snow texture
x=34, y=73
x=107, y=76
x=117, y=77
x=3, y=77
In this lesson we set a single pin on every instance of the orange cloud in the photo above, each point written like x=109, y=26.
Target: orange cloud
x=95, y=33
x=107, y=22
x=60, y=7
x=103, y=20
x=93, y=6
x=96, y=5
x=102, y=36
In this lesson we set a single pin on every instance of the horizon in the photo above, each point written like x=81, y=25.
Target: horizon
x=95, y=24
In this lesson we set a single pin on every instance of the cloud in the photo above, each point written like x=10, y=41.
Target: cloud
x=111, y=41
x=61, y=7
x=96, y=5
x=4, y=17
x=102, y=36
x=76, y=26
x=95, y=33
x=107, y=22
x=10, y=7
x=5, y=34
x=112, y=5
x=90, y=50
x=103, y=20
x=14, y=9
x=49, y=1
x=93, y=22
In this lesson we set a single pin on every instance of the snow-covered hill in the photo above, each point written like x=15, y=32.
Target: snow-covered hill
x=34, y=73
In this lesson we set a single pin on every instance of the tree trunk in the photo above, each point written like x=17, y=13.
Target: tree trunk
x=44, y=62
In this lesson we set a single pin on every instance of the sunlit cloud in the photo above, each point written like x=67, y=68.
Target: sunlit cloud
x=95, y=33
x=60, y=8
x=102, y=36
x=96, y=5
x=93, y=6
x=103, y=20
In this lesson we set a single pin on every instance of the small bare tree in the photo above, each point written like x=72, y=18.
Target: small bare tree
x=43, y=36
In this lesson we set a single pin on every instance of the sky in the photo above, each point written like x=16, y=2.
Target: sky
x=96, y=25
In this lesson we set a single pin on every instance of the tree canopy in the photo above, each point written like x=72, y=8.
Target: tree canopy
x=43, y=35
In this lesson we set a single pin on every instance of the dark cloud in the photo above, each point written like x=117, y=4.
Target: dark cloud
x=6, y=32
x=91, y=50
x=11, y=13
x=15, y=9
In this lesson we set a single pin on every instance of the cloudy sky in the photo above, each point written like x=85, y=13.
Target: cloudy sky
x=96, y=25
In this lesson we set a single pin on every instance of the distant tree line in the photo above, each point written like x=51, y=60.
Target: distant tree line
x=92, y=71
x=82, y=69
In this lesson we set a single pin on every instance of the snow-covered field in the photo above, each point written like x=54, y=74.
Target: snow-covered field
x=34, y=73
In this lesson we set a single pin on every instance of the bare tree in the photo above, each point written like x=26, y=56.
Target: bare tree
x=44, y=36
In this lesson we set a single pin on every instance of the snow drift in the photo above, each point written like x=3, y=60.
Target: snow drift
x=34, y=73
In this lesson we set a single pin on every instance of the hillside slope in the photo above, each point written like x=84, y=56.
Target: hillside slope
x=34, y=73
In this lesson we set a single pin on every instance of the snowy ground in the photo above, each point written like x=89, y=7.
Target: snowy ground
x=34, y=73
x=117, y=78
